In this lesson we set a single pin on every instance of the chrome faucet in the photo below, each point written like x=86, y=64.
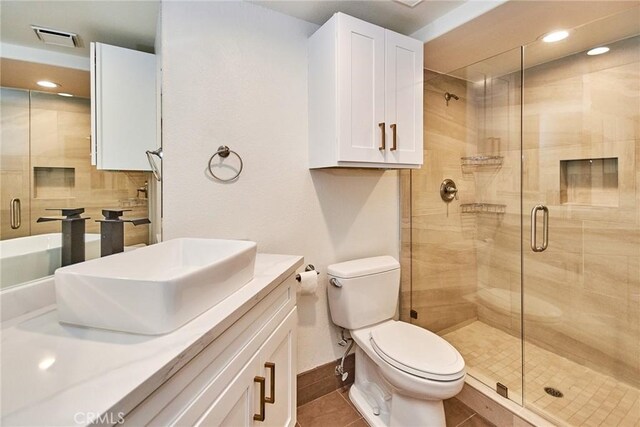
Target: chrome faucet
x=112, y=230
x=144, y=190
x=73, y=226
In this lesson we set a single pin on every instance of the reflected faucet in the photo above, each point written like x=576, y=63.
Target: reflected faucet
x=73, y=226
x=112, y=230
x=144, y=190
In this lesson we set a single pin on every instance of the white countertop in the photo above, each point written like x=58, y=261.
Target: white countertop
x=56, y=374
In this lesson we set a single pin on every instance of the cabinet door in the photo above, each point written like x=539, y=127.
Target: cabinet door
x=123, y=113
x=360, y=90
x=278, y=364
x=241, y=399
x=238, y=403
x=403, y=98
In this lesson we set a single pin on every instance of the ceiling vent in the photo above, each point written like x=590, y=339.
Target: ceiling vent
x=410, y=3
x=57, y=37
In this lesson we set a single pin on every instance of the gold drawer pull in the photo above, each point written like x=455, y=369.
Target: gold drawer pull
x=272, y=368
x=383, y=144
x=260, y=416
x=394, y=145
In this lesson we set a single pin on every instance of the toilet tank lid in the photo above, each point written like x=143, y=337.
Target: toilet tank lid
x=363, y=267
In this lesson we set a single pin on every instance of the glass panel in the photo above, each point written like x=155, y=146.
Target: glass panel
x=465, y=252
x=14, y=163
x=581, y=141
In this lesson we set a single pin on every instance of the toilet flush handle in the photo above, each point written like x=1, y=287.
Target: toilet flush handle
x=335, y=282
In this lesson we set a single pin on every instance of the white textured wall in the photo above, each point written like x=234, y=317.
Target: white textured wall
x=236, y=74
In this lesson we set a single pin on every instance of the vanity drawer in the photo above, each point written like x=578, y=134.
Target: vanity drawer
x=225, y=356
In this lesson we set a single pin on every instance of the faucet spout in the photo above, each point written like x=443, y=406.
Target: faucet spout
x=73, y=229
x=112, y=230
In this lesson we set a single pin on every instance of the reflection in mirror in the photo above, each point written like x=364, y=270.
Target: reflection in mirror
x=46, y=137
x=45, y=163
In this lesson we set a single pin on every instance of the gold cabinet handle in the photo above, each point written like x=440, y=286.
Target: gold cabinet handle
x=272, y=368
x=383, y=142
x=394, y=145
x=260, y=416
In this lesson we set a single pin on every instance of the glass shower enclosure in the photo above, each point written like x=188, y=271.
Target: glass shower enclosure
x=532, y=268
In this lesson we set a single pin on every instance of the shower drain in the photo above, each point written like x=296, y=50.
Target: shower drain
x=553, y=392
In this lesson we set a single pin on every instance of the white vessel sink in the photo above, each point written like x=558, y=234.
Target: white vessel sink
x=155, y=289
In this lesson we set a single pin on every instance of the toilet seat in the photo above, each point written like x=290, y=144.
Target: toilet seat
x=417, y=351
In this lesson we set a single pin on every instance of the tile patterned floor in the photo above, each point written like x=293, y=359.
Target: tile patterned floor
x=590, y=398
x=335, y=410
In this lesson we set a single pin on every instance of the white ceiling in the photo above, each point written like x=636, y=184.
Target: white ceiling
x=130, y=24
x=385, y=13
x=133, y=24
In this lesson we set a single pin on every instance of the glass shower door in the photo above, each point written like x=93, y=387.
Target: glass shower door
x=14, y=164
x=581, y=216
x=466, y=250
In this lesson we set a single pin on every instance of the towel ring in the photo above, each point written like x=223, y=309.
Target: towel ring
x=223, y=152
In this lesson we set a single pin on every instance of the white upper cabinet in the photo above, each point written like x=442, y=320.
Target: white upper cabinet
x=365, y=96
x=123, y=107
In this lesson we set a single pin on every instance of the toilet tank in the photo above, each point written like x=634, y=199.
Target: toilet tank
x=365, y=291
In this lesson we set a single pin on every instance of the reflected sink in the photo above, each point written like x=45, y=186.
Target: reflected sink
x=155, y=289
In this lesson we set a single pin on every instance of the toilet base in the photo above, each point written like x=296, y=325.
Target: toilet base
x=371, y=394
x=366, y=409
x=406, y=412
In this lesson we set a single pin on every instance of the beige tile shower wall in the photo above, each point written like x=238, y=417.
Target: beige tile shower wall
x=60, y=130
x=442, y=261
x=582, y=295
x=405, y=245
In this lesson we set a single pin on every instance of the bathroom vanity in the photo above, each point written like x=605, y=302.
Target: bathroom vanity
x=235, y=364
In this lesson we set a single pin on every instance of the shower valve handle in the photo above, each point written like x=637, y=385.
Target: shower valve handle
x=452, y=190
x=448, y=190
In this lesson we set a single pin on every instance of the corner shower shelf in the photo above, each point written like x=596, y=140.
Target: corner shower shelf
x=483, y=208
x=479, y=161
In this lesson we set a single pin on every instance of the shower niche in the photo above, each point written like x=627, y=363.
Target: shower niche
x=590, y=182
x=53, y=182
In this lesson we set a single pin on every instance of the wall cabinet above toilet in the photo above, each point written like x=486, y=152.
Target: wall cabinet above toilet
x=123, y=107
x=365, y=96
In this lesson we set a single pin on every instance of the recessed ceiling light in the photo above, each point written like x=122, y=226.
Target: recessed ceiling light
x=65, y=94
x=555, y=36
x=47, y=83
x=598, y=50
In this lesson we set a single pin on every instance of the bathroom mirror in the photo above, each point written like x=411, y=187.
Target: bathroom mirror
x=46, y=132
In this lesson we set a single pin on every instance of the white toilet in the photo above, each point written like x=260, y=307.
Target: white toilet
x=403, y=372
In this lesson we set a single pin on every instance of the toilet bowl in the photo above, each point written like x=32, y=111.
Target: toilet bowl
x=403, y=372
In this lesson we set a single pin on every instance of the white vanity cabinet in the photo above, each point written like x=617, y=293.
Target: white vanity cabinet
x=241, y=403
x=365, y=96
x=123, y=107
x=245, y=377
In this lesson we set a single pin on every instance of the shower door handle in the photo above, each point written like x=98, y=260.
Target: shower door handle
x=15, y=213
x=534, y=228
